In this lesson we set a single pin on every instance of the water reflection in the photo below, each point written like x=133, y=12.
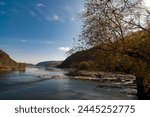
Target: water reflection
x=38, y=83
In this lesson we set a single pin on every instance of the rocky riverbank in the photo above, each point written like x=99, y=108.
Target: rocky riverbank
x=108, y=80
x=12, y=68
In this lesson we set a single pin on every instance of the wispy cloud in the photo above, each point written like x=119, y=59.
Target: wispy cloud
x=64, y=49
x=36, y=42
x=34, y=15
x=72, y=19
x=20, y=7
x=23, y=40
x=56, y=17
x=40, y=5
x=53, y=18
x=71, y=12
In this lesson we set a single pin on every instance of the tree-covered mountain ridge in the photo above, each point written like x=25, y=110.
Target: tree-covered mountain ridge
x=108, y=56
x=49, y=63
x=8, y=64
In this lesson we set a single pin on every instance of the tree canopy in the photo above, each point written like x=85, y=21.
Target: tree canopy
x=106, y=21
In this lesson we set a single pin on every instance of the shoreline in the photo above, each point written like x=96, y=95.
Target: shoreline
x=108, y=80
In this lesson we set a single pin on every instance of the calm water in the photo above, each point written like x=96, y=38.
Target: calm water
x=39, y=84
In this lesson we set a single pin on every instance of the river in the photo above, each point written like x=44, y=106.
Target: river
x=42, y=84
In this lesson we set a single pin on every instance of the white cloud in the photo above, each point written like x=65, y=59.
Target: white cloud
x=72, y=19
x=64, y=49
x=23, y=40
x=53, y=18
x=40, y=5
x=36, y=42
x=56, y=17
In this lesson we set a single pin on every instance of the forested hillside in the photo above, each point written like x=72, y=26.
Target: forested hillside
x=118, y=35
x=7, y=64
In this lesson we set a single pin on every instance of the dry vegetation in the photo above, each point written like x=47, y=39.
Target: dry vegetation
x=118, y=35
x=7, y=64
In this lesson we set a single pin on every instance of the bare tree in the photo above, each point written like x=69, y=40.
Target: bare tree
x=108, y=21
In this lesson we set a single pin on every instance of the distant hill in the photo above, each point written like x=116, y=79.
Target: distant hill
x=29, y=65
x=110, y=57
x=49, y=63
x=90, y=59
x=75, y=59
x=8, y=64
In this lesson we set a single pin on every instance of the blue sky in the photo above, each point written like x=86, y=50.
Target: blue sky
x=39, y=30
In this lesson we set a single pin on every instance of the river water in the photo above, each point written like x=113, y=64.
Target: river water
x=41, y=84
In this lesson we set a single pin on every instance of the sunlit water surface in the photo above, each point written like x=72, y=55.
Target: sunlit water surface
x=39, y=84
